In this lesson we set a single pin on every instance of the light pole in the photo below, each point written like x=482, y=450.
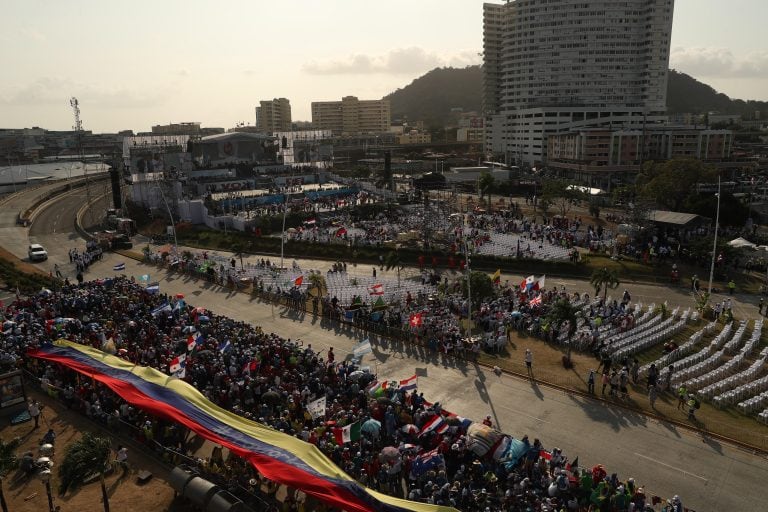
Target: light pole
x=714, y=244
x=170, y=214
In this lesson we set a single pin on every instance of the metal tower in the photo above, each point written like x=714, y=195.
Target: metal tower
x=78, y=128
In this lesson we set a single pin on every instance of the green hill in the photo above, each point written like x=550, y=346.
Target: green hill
x=431, y=97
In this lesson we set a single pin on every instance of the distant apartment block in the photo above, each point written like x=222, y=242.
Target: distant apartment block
x=414, y=137
x=591, y=155
x=176, y=129
x=273, y=115
x=471, y=128
x=561, y=65
x=351, y=116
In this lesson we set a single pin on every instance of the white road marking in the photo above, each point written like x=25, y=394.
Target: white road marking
x=671, y=467
x=517, y=412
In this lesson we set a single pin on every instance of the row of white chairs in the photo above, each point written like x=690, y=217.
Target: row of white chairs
x=653, y=338
x=607, y=331
x=722, y=377
x=686, y=348
x=757, y=402
x=634, y=335
x=742, y=392
x=706, y=352
x=735, y=342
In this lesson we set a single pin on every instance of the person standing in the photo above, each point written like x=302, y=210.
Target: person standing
x=34, y=412
x=591, y=382
x=529, y=362
x=760, y=306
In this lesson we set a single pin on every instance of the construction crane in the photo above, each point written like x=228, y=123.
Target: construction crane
x=78, y=128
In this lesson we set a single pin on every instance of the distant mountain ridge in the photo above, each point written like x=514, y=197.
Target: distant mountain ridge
x=431, y=97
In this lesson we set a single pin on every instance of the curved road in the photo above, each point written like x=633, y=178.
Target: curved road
x=709, y=475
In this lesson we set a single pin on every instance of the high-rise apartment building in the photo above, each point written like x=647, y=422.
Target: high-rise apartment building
x=351, y=116
x=552, y=66
x=273, y=115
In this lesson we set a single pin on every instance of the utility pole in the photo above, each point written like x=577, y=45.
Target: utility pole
x=81, y=156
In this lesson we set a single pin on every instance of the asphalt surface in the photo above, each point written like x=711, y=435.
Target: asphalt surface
x=707, y=474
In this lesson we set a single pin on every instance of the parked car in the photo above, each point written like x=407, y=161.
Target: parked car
x=37, y=252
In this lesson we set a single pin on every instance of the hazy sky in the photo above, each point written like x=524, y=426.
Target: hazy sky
x=138, y=63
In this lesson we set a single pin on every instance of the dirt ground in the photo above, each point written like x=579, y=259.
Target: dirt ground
x=28, y=495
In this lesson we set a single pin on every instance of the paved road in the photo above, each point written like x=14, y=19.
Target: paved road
x=707, y=474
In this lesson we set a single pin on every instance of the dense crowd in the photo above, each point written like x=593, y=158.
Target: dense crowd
x=411, y=448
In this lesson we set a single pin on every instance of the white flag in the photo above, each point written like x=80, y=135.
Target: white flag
x=316, y=409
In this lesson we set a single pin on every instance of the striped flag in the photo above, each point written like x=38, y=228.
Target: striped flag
x=347, y=434
x=527, y=283
x=362, y=348
x=120, y=266
x=161, y=309
x=153, y=288
x=435, y=424
x=409, y=383
x=536, y=301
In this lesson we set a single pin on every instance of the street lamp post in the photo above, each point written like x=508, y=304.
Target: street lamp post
x=714, y=244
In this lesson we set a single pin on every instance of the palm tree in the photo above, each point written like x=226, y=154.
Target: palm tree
x=88, y=456
x=393, y=260
x=8, y=461
x=604, y=278
x=563, y=311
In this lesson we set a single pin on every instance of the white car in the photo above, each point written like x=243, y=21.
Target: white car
x=37, y=253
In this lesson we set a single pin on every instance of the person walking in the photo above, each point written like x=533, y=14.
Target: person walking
x=652, y=396
x=731, y=286
x=682, y=397
x=529, y=362
x=606, y=380
x=591, y=382
x=693, y=404
x=760, y=306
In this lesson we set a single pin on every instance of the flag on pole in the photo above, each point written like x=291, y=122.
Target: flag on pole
x=496, y=277
x=527, y=283
x=316, y=409
x=376, y=289
x=362, y=348
x=298, y=281
x=120, y=266
x=144, y=278
x=409, y=383
x=178, y=364
x=539, y=284
x=195, y=341
x=535, y=301
x=347, y=434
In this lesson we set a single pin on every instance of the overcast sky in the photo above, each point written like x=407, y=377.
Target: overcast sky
x=134, y=64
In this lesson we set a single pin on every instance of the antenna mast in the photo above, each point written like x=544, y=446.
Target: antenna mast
x=78, y=128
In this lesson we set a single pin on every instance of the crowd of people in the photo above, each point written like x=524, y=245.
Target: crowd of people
x=418, y=451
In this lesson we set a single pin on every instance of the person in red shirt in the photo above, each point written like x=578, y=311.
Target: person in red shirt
x=487, y=421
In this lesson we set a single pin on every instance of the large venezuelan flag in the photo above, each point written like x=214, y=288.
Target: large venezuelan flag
x=277, y=456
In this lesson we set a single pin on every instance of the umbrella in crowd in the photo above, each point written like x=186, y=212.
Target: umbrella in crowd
x=371, y=426
x=389, y=454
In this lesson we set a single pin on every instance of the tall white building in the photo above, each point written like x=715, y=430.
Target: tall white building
x=553, y=66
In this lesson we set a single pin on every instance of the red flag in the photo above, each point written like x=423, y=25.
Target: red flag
x=340, y=232
x=415, y=319
x=298, y=281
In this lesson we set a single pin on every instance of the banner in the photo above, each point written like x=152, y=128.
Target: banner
x=316, y=409
x=278, y=456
